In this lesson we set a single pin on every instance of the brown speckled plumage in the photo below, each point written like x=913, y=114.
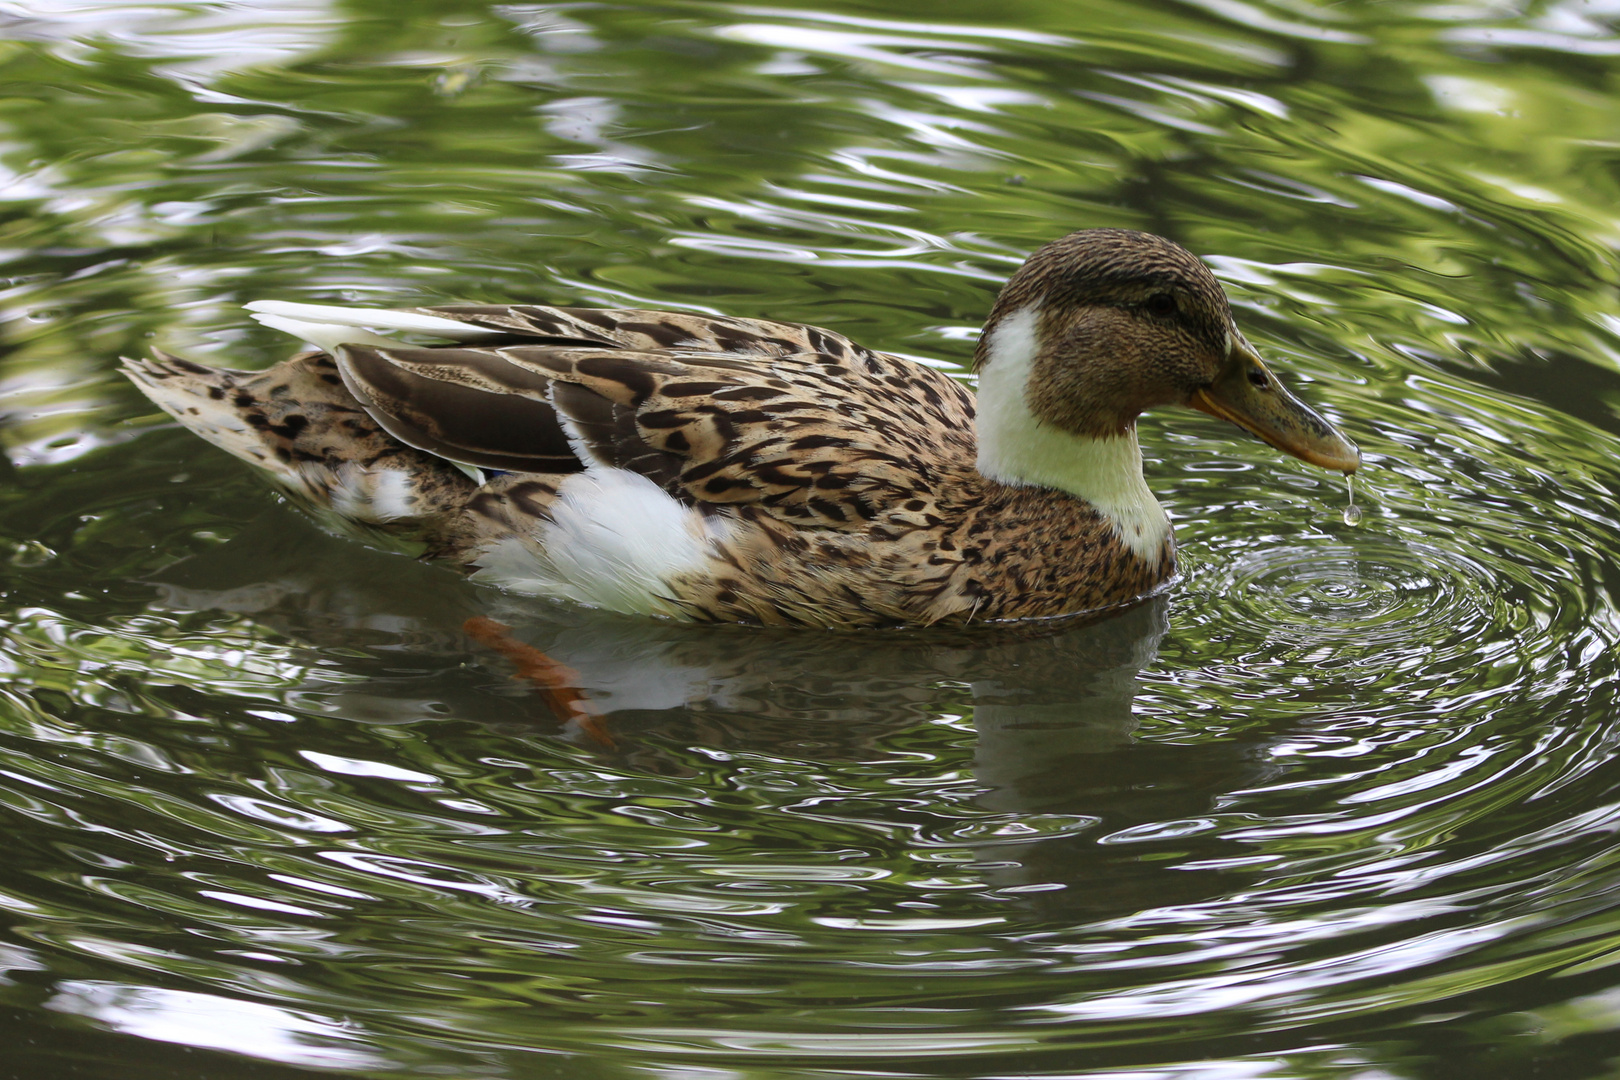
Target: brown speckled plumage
x=298, y=423
x=845, y=479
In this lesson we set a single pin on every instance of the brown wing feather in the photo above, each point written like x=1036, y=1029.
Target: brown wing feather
x=834, y=436
x=464, y=404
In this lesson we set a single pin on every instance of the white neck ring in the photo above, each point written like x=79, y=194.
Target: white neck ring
x=1015, y=447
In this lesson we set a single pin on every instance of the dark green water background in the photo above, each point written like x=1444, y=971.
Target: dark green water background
x=1344, y=804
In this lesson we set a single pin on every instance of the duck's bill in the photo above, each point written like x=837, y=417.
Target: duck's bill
x=1249, y=395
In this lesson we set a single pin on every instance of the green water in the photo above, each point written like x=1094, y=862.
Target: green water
x=1343, y=804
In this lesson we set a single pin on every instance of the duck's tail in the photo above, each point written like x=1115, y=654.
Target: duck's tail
x=298, y=423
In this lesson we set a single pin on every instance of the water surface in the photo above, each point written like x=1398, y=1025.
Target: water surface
x=1341, y=804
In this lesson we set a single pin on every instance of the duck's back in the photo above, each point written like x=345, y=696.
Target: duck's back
x=798, y=423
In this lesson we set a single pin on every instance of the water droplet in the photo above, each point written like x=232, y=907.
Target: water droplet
x=1352, y=513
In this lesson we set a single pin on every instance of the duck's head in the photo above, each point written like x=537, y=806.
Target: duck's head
x=1106, y=323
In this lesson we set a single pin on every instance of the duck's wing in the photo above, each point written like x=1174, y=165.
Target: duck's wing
x=833, y=435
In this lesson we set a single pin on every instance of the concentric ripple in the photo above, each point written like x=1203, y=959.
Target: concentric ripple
x=1484, y=566
x=1380, y=593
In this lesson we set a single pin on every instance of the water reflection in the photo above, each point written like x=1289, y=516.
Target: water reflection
x=1053, y=757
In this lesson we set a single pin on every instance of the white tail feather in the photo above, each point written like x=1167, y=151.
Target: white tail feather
x=324, y=336
x=381, y=318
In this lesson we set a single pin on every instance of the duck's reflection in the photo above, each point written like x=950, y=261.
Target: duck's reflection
x=1052, y=707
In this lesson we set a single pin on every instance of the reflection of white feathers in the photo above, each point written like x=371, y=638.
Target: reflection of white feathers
x=629, y=675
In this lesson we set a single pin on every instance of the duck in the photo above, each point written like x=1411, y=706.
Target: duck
x=707, y=468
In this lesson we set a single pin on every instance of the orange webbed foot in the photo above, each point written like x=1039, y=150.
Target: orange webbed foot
x=558, y=683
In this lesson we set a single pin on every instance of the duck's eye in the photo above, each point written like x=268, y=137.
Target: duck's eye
x=1160, y=303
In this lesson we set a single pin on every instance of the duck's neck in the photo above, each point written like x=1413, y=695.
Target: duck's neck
x=1017, y=448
